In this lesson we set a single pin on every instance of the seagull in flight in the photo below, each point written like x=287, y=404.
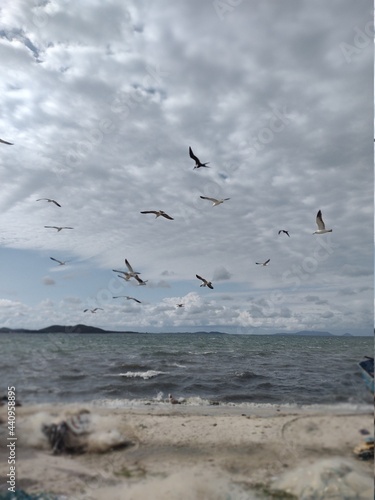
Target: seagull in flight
x=158, y=213
x=214, y=200
x=128, y=298
x=263, y=263
x=179, y=305
x=93, y=310
x=198, y=163
x=59, y=228
x=6, y=142
x=205, y=282
x=131, y=270
x=140, y=281
x=283, y=231
x=50, y=201
x=322, y=228
x=61, y=262
x=125, y=276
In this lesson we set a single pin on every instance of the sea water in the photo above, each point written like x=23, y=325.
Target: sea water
x=196, y=368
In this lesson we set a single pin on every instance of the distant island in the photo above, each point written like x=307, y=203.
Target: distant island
x=62, y=329
x=82, y=329
x=93, y=329
x=312, y=333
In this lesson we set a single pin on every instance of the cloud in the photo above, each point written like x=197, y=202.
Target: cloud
x=102, y=106
x=316, y=300
x=355, y=270
x=167, y=273
x=221, y=274
x=159, y=284
x=48, y=281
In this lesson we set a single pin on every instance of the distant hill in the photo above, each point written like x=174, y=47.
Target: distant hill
x=79, y=329
x=70, y=329
x=211, y=333
x=63, y=329
x=93, y=329
x=306, y=333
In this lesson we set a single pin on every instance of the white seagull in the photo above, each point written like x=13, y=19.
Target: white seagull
x=93, y=310
x=128, y=298
x=50, y=201
x=158, y=213
x=198, y=163
x=126, y=276
x=140, y=281
x=322, y=228
x=59, y=228
x=214, y=200
x=131, y=270
x=6, y=142
x=61, y=262
x=263, y=263
x=205, y=282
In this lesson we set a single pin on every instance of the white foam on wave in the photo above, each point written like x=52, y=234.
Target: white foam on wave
x=201, y=353
x=177, y=365
x=160, y=400
x=145, y=375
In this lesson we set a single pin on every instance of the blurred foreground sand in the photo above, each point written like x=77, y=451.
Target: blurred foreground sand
x=181, y=452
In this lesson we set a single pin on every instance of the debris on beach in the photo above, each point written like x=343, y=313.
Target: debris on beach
x=78, y=433
x=4, y=401
x=364, y=432
x=365, y=450
x=173, y=400
x=65, y=436
x=367, y=372
x=329, y=479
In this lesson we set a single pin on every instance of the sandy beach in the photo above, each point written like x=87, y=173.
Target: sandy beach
x=187, y=452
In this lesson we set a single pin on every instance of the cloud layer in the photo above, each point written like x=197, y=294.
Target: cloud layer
x=102, y=103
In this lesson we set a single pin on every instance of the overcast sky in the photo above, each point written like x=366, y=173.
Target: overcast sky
x=102, y=101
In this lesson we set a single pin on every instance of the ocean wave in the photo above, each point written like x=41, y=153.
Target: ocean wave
x=177, y=365
x=145, y=375
x=202, y=353
x=248, y=375
x=161, y=401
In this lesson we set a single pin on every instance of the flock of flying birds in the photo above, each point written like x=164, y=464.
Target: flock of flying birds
x=130, y=273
